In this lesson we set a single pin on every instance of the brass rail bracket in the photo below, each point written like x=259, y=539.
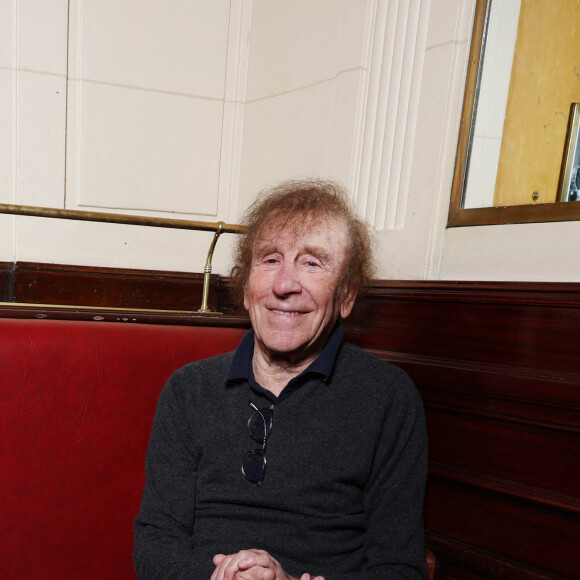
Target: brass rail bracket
x=219, y=228
x=207, y=270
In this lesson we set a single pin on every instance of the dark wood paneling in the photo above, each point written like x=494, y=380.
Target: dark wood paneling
x=5, y=282
x=87, y=293
x=225, y=301
x=496, y=367
x=498, y=371
x=467, y=322
x=107, y=287
x=531, y=539
x=502, y=448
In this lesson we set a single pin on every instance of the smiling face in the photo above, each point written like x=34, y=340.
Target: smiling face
x=292, y=295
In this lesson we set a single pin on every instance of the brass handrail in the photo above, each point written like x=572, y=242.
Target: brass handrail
x=117, y=218
x=128, y=219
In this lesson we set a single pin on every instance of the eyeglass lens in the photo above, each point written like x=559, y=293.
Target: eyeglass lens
x=260, y=424
x=259, y=428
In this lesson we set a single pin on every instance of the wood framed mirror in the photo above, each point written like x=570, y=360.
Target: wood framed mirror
x=522, y=81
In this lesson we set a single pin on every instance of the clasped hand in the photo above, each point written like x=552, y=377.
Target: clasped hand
x=252, y=565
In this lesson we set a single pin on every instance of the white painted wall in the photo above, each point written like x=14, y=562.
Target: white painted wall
x=186, y=108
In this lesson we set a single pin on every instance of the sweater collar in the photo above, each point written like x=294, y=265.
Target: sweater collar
x=241, y=365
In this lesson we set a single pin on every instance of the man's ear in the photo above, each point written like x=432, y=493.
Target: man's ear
x=347, y=303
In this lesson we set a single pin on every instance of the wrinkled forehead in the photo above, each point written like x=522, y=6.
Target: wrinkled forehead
x=299, y=227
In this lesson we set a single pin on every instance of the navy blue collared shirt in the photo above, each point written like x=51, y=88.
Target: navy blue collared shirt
x=241, y=366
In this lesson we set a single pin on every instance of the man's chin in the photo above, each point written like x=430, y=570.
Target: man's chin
x=290, y=352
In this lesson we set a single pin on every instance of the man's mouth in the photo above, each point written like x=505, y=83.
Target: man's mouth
x=286, y=312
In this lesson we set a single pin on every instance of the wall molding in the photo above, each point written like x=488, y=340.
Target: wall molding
x=124, y=120
x=506, y=487
x=472, y=563
x=66, y=285
x=395, y=48
x=238, y=60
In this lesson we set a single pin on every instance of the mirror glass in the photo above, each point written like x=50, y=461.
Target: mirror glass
x=491, y=102
x=519, y=136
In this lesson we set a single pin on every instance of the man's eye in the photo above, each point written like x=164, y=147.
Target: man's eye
x=312, y=264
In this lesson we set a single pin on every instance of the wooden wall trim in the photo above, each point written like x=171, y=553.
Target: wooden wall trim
x=503, y=486
x=469, y=562
x=26, y=282
x=504, y=324
x=6, y=291
x=112, y=294
x=525, y=383
x=540, y=293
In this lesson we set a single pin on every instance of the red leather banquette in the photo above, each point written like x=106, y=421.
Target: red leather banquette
x=76, y=403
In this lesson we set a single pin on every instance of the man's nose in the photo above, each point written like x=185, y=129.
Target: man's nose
x=287, y=280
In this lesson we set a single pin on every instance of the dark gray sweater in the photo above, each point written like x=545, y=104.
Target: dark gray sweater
x=344, y=487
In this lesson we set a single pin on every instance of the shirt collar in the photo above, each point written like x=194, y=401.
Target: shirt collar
x=241, y=365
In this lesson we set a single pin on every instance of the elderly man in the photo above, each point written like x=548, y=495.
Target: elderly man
x=297, y=455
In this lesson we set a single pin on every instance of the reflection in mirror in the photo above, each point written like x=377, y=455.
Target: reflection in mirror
x=491, y=102
x=570, y=178
x=513, y=159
